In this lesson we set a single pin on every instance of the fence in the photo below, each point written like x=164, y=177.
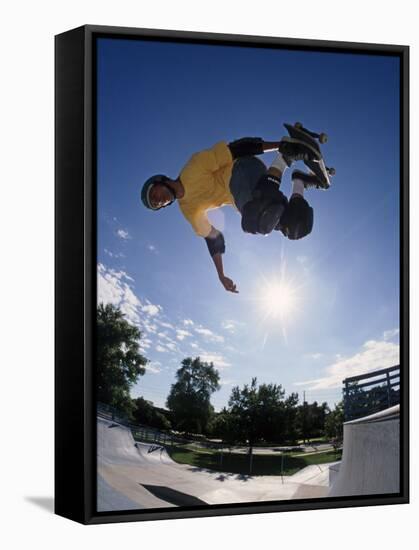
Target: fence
x=235, y=459
x=370, y=393
x=152, y=435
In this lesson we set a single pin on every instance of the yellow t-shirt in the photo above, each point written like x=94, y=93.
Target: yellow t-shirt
x=206, y=180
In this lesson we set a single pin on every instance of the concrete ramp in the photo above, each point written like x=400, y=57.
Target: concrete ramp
x=154, y=453
x=133, y=474
x=316, y=474
x=370, y=461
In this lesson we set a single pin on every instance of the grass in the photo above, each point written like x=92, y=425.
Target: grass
x=239, y=464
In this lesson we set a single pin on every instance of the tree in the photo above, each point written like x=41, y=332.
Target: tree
x=119, y=363
x=189, y=397
x=310, y=419
x=290, y=432
x=146, y=413
x=333, y=425
x=258, y=413
x=224, y=426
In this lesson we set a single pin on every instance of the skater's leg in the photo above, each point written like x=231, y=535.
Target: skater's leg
x=298, y=217
x=262, y=213
x=259, y=199
x=278, y=166
x=246, y=173
x=297, y=187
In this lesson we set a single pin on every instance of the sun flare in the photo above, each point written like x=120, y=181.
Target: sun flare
x=279, y=300
x=280, y=297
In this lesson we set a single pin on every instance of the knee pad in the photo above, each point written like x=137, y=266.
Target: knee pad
x=267, y=187
x=297, y=220
x=261, y=215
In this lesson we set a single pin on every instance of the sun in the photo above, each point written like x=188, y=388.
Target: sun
x=279, y=299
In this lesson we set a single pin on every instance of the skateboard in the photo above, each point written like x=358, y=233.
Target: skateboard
x=316, y=165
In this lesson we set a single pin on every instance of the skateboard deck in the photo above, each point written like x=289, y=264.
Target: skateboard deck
x=317, y=166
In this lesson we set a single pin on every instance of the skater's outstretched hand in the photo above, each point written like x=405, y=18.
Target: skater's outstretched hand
x=228, y=284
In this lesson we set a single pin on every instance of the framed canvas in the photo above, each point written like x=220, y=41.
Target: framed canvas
x=231, y=274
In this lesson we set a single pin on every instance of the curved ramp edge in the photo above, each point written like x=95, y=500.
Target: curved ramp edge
x=371, y=456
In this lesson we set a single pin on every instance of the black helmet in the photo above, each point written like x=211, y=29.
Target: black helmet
x=145, y=191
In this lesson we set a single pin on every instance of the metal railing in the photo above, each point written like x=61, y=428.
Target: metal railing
x=148, y=434
x=224, y=454
x=370, y=393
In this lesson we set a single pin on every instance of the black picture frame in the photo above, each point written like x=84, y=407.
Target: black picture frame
x=75, y=273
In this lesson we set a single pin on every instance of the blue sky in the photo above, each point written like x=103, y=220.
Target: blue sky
x=158, y=103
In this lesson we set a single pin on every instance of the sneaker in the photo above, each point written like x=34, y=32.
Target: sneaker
x=293, y=151
x=309, y=180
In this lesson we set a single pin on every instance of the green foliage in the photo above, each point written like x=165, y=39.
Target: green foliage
x=189, y=397
x=310, y=419
x=261, y=413
x=334, y=423
x=119, y=363
x=147, y=414
x=224, y=426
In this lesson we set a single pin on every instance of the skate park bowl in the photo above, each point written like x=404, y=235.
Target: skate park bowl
x=370, y=462
x=135, y=475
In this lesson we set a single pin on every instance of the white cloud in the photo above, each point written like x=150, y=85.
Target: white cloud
x=113, y=289
x=233, y=350
x=151, y=309
x=231, y=325
x=227, y=382
x=145, y=343
x=374, y=355
x=123, y=234
x=313, y=355
x=390, y=334
x=152, y=248
x=182, y=334
x=149, y=327
x=161, y=349
x=154, y=367
x=219, y=361
x=166, y=325
x=207, y=333
x=188, y=322
x=195, y=346
x=114, y=254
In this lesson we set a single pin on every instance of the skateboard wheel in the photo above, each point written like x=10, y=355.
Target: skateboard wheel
x=298, y=125
x=331, y=171
x=322, y=137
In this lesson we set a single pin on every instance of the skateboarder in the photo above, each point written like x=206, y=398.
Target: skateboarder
x=230, y=173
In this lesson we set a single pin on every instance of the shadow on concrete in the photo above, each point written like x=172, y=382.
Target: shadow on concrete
x=224, y=476
x=172, y=496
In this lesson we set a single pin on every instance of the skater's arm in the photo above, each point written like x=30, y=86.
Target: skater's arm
x=248, y=146
x=216, y=248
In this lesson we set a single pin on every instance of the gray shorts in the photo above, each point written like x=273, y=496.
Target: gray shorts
x=245, y=175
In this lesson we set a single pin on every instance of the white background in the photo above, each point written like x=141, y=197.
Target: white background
x=26, y=202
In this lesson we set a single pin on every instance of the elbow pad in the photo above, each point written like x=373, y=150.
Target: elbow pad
x=246, y=147
x=216, y=245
